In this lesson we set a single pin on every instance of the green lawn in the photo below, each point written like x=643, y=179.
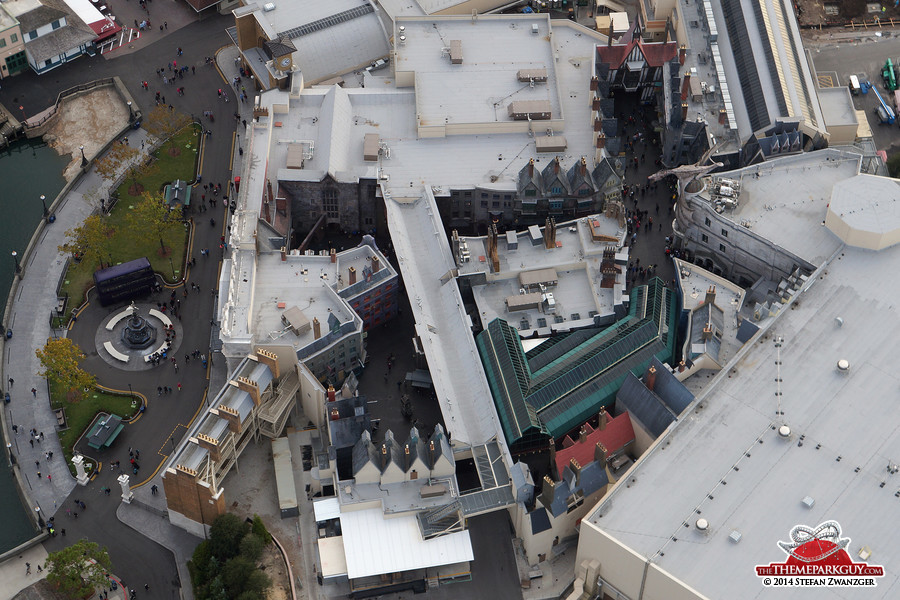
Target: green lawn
x=169, y=168
x=79, y=415
x=123, y=245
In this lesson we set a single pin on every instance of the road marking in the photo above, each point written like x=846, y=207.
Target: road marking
x=828, y=79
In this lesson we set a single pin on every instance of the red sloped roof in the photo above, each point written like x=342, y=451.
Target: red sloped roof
x=618, y=432
x=656, y=53
x=659, y=53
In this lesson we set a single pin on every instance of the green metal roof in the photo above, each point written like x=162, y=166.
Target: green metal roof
x=570, y=377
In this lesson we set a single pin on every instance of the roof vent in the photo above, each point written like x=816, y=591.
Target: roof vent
x=269, y=6
x=402, y=39
x=843, y=365
x=784, y=431
x=735, y=536
x=402, y=28
x=839, y=321
x=865, y=553
x=702, y=524
x=809, y=502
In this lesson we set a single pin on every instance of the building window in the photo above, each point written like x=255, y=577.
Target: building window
x=724, y=233
x=530, y=192
x=484, y=194
x=495, y=204
x=330, y=201
x=56, y=24
x=2, y=42
x=556, y=204
x=584, y=192
x=14, y=38
x=496, y=196
x=368, y=220
x=721, y=247
x=484, y=203
x=556, y=190
x=32, y=35
x=708, y=222
x=468, y=194
x=507, y=197
x=704, y=238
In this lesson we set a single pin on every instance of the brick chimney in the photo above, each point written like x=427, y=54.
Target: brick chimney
x=595, y=104
x=707, y=333
x=602, y=419
x=723, y=116
x=230, y=415
x=384, y=456
x=251, y=388
x=531, y=168
x=283, y=253
x=601, y=140
x=576, y=468
x=270, y=360
x=547, y=491
x=650, y=378
x=598, y=124
x=600, y=453
x=332, y=395
x=553, y=452
x=681, y=367
x=582, y=435
x=333, y=254
x=685, y=86
x=317, y=330
x=682, y=53
x=595, y=83
x=406, y=459
x=684, y=110
x=210, y=444
x=335, y=414
x=352, y=275
x=710, y=295
x=376, y=264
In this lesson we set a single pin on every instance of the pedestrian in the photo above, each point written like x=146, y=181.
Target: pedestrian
x=34, y=392
x=31, y=441
x=28, y=568
x=15, y=429
x=49, y=478
x=179, y=385
x=37, y=464
x=39, y=474
x=11, y=382
x=166, y=24
x=147, y=586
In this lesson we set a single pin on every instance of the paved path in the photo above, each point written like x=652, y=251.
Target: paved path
x=135, y=557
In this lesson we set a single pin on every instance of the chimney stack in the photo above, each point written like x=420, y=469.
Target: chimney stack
x=601, y=140
x=602, y=420
x=684, y=110
x=376, y=264
x=352, y=275
x=317, y=330
x=723, y=116
x=406, y=453
x=681, y=367
x=682, y=53
x=251, y=387
x=650, y=378
x=576, y=468
x=685, y=86
x=333, y=254
x=335, y=414
x=598, y=124
x=384, y=456
x=582, y=435
x=547, y=491
x=269, y=359
x=332, y=395
x=531, y=168
x=595, y=104
x=595, y=83
x=710, y=295
x=283, y=254
x=707, y=333
x=600, y=453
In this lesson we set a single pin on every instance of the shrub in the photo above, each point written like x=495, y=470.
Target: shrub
x=259, y=529
x=252, y=546
x=225, y=536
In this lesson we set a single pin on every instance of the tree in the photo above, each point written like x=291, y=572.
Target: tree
x=225, y=536
x=163, y=122
x=60, y=358
x=152, y=213
x=79, y=569
x=89, y=239
x=259, y=528
x=252, y=546
x=122, y=157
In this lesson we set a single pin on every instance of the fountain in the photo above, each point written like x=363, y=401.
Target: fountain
x=138, y=333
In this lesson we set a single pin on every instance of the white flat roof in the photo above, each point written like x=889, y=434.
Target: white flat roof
x=868, y=203
x=441, y=321
x=844, y=435
x=328, y=508
x=789, y=195
x=374, y=545
x=351, y=45
x=334, y=122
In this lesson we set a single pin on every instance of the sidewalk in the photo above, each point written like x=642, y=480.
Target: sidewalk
x=29, y=320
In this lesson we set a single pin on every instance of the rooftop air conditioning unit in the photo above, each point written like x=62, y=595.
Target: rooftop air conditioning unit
x=269, y=6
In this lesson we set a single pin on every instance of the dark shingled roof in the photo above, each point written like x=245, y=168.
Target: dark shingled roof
x=44, y=14
x=280, y=47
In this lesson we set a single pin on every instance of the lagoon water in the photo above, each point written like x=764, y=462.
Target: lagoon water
x=27, y=169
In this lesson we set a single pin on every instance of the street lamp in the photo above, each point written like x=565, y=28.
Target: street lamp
x=83, y=158
x=15, y=256
x=174, y=277
x=44, y=204
x=130, y=391
x=130, y=112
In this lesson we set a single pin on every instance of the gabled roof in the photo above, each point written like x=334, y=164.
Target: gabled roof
x=438, y=445
x=672, y=392
x=617, y=434
x=44, y=14
x=593, y=476
x=530, y=175
x=554, y=171
x=281, y=46
x=580, y=174
x=603, y=171
x=363, y=453
x=655, y=53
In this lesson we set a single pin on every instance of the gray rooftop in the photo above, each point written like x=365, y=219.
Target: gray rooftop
x=840, y=445
x=837, y=106
x=780, y=200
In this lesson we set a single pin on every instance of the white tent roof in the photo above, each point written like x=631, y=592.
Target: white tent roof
x=374, y=545
x=326, y=509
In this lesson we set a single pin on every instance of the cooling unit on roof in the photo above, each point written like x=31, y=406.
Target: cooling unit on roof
x=269, y=6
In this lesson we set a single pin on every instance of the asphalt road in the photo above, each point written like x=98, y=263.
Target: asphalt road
x=866, y=56
x=136, y=559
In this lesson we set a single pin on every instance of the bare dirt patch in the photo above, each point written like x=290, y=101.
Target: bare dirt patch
x=92, y=119
x=272, y=563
